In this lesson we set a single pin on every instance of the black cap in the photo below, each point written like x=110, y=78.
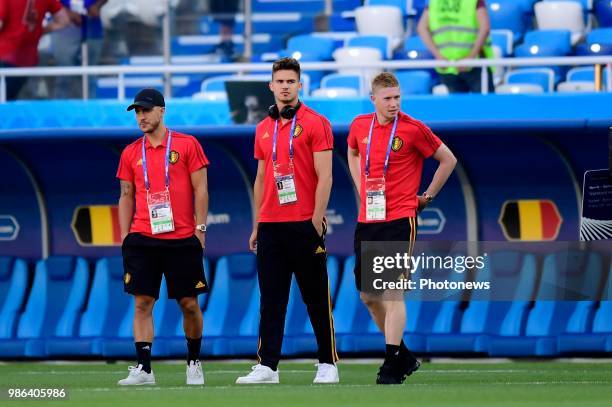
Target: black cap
x=148, y=98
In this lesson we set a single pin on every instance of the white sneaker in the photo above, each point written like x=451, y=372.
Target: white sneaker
x=326, y=373
x=195, y=375
x=260, y=374
x=137, y=377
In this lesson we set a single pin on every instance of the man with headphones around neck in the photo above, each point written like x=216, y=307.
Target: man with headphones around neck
x=293, y=146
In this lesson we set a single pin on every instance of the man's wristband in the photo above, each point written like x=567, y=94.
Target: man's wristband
x=201, y=228
x=428, y=198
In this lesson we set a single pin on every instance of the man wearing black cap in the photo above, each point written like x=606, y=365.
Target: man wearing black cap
x=162, y=217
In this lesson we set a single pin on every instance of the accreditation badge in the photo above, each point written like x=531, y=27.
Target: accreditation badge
x=285, y=183
x=160, y=212
x=376, y=202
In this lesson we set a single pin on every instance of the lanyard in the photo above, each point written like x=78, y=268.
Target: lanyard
x=167, y=163
x=367, y=163
x=290, y=139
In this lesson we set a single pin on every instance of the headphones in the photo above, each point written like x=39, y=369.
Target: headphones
x=286, y=112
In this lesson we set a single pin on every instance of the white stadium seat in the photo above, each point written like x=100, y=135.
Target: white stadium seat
x=561, y=15
x=517, y=88
x=357, y=55
x=331, y=93
x=381, y=20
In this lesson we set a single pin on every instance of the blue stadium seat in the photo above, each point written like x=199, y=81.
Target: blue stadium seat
x=508, y=15
x=603, y=12
x=486, y=316
x=319, y=48
x=542, y=77
x=13, y=288
x=548, y=319
x=225, y=329
x=53, y=308
x=379, y=42
x=584, y=74
x=106, y=307
x=169, y=333
x=350, y=315
x=414, y=48
x=182, y=85
x=545, y=43
x=205, y=44
x=414, y=82
x=299, y=335
x=339, y=80
x=599, y=338
x=504, y=40
x=598, y=42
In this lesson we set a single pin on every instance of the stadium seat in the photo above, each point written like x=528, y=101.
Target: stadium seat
x=504, y=40
x=226, y=329
x=539, y=77
x=299, y=335
x=581, y=79
x=53, y=308
x=215, y=86
x=355, y=56
x=205, y=44
x=333, y=93
x=344, y=81
x=545, y=43
x=414, y=48
x=599, y=339
x=484, y=316
x=13, y=288
x=568, y=270
x=320, y=48
x=381, y=20
x=598, y=42
x=561, y=15
x=507, y=15
x=350, y=315
x=169, y=332
x=414, y=82
x=517, y=88
x=379, y=42
x=105, y=309
x=603, y=12
x=402, y=5
x=120, y=341
x=182, y=85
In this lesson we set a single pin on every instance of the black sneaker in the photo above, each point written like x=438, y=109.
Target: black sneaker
x=388, y=375
x=410, y=365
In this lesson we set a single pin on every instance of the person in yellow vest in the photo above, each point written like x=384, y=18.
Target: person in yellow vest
x=454, y=30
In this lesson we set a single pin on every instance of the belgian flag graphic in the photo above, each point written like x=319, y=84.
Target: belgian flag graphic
x=530, y=219
x=97, y=225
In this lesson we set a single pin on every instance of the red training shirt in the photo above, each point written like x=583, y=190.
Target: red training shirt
x=413, y=143
x=22, y=29
x=190, y=158
x=312, y=134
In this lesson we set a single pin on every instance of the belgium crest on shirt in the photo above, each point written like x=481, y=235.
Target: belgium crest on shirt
x=174, y=157
x=397, y=144
x=298, y=130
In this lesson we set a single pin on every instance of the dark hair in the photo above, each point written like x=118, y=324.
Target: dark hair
x=286, y=64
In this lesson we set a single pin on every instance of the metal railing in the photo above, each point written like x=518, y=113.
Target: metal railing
x=120, y=71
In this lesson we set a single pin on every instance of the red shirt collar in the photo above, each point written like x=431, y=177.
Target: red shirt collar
x=378, y=125
x=148, y=144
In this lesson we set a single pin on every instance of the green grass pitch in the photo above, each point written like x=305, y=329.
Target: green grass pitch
x=435, y=384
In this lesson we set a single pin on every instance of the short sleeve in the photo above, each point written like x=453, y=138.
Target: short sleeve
x=125, y=171
x=322, y=137
x=54, y=6
x=425, y=141
x=258, y=151
x=352, y=137
x=196, y=159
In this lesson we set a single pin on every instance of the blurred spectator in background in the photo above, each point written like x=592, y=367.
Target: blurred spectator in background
x=224, y=12
x=21, y=26
x=85, y=28
x=454, y=30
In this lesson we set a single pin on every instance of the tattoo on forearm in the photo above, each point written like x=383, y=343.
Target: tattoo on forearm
x=126, y=189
